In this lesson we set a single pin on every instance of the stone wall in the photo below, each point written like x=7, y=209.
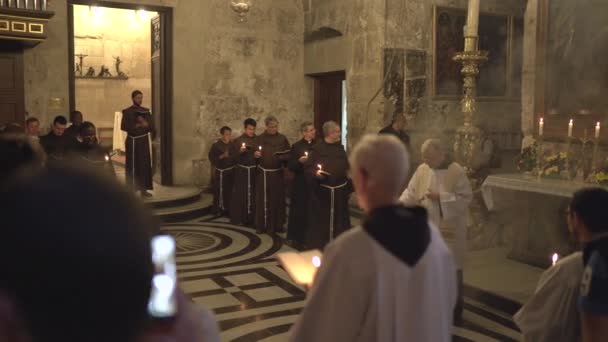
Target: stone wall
x=103, y=35
x=370, y=26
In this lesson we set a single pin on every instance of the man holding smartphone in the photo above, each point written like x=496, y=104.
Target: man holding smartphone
x=77, y=279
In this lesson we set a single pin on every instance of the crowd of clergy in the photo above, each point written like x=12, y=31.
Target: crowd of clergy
x=391, y=278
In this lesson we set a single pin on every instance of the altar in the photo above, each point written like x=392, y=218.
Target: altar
x=533, y=210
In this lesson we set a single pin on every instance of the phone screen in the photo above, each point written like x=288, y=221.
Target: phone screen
x=162, y=303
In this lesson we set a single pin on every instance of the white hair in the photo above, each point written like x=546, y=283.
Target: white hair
x=428, y=144
x=329, y=127
x=384, y=159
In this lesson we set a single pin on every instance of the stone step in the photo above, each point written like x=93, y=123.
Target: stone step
x=168, y=197
x=187, y=211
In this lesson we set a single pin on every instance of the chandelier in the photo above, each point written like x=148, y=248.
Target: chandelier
x=241, y=7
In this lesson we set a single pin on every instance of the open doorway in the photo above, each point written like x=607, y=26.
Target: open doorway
x=114, y=50
x=330, y=101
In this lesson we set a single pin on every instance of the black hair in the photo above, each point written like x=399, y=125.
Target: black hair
x=135, y=93
x=91, y=269
x=249, y=122
x=60, y=119
x=86, y=125
x=74, y=113
x=30, y=120
x=224, y=129
x=589, y=205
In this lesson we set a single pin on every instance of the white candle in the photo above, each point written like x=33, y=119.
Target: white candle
x=472, y=18
x=541, y=125
x=554, y=258
x=306, y=153
x=570, y=125
x=597, y=130
x=243, y=145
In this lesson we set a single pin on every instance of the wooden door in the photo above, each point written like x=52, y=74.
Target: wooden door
x=12, y=100
x=161, y=100
x=328, y=99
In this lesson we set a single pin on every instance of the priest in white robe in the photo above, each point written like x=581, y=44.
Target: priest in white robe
x=391, y=279
x=442, y=187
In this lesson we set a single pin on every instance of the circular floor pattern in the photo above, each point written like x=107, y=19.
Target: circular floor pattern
x=193, y=242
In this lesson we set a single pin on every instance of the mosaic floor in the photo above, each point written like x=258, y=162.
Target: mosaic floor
x=231, y=270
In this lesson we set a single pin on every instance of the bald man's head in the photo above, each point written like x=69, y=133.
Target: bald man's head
x=380, y=165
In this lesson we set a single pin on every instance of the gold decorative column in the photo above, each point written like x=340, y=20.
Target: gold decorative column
x=468, y=135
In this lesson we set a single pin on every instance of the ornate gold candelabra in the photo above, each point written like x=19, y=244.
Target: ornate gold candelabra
x=241, y=7
x=468, y=135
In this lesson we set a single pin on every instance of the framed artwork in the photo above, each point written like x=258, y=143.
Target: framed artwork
x=415, y=80
x=500, y=35
x=572, y=73
x=394, y=69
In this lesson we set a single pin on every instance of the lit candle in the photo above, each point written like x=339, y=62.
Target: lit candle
x=597, y=130
x=259, y=148
x=243, y=145
x=554, y=258
x=320, y=167
x=570, y=125
x=107, y=158
x=316, y=261
x=541, y=125
x=306, y=153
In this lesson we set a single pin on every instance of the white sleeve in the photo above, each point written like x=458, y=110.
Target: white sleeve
x=408, y=197
x=336, y=304
x=550, y=314
x=455, y=203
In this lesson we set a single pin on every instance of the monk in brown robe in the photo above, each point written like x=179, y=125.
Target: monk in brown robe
x=137, y=122
x=87, y=150
x=298, y=199
x=242, y=203
x=223, y=171
x=330, y=187
x=272, y=153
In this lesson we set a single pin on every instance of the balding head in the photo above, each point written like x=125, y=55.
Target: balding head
x=380, y=165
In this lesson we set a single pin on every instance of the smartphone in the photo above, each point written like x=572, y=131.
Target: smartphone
x=163, y=303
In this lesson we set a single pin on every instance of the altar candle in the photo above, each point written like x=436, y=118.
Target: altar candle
x=597, y=130
x=472, y=18
x=554, y=258
x=541, y=125
x=570, y=125
x=316, y=261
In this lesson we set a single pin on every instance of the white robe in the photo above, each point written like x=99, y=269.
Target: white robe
x=450, y=213
x=362, y=292
x=551, y=315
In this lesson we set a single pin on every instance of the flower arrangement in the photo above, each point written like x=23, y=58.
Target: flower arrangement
x=527, y=159
x=601, y=177
x=553, y=165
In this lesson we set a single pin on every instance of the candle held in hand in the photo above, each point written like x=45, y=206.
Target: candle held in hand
x=554, y=258
x=243, y=145
x=316, y=261
x=107, y=158
x=541, y=126
x=570, y=126
x=259, y=148
x=597, y=130
x=320, y=167
x=306, y=154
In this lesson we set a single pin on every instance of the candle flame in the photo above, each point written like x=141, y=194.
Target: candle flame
x=571, y=122
x=260, y=148
x=542, y=121
x=597, y=124
x=107, y=158
x=316, y=261
x=320, y=167
x=554, y=258
x=306, y=153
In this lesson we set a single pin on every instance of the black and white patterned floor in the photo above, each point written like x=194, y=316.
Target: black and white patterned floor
x=231, y=270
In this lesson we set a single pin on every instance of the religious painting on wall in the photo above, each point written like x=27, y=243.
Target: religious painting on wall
x=415, y=80
x=576, y=50
x=394, y=70
x=495, y=36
